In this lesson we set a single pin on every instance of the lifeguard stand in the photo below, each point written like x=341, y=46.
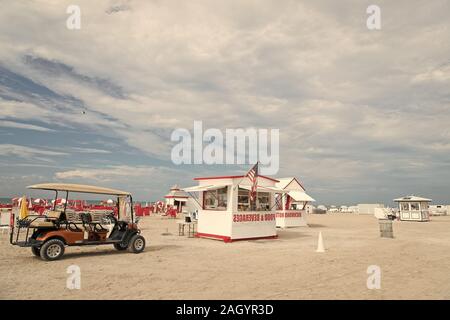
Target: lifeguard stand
x=413, y=208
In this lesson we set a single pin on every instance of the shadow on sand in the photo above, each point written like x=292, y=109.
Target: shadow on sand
x=313, y=225
x=106, y=252
x=162, y=247
x=287, y=235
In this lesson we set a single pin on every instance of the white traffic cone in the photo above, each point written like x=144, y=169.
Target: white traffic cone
x=320, y=246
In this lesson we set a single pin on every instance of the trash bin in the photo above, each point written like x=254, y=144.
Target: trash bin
x=386, y=230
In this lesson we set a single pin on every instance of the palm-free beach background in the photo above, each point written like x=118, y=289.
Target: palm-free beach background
x=414, y=265
x=363, y=114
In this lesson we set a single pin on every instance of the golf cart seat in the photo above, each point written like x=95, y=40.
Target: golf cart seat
x=53, y=215
x=50, y=218
x=42, y=224
x=88, y=223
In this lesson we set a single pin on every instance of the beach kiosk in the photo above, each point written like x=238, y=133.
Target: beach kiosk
x=227, y=213
x=177, y=198
x=291, y=206
x=413, y=208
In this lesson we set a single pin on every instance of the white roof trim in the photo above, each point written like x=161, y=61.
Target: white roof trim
x=204, y=188
x=412, y=198
x=180, y=199
x=264, y=189
x=300, y=196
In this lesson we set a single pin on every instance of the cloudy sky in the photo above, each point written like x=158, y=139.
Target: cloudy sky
x=364, y=116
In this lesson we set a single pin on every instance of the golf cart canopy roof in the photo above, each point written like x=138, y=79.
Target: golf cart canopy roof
x=78, y=188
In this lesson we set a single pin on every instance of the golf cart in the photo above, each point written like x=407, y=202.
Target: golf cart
x=47, y=235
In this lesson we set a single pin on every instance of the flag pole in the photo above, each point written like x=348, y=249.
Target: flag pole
x=245, y=176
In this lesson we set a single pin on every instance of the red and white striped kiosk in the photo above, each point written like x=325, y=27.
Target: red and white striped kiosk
x=227, y=212
x=291, y=205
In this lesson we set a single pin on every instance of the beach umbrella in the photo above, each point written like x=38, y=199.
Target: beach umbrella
x=59, y=201
x=23, y=208
x=39, y=201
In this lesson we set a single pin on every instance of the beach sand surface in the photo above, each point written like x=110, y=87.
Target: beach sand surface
x=414, y=265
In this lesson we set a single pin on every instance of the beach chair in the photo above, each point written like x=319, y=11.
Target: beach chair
x=172, y=213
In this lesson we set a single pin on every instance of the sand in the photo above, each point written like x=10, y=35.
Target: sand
x=414, y=265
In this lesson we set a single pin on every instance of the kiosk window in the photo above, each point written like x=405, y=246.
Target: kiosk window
x=216, y=199
x=263, y=202
x=414, y=206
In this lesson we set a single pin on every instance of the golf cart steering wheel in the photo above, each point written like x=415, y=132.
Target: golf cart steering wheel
x=111, y=217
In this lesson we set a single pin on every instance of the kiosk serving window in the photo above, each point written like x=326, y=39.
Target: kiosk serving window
x=263, y=202
x=243, y=200
x=414, y=206
x=216, y=199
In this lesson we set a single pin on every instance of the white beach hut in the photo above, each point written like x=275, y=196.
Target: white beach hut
x=177, y=198
x=368, y=208
x=353, y=209
x=309, y=209
x=413, y=208
x=226, y=212
x=291, y=207
x=438, y=210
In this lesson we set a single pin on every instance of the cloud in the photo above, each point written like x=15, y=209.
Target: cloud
x=89, y=150
x=19, y=125
x=64, y=73
x=118, y=6
x=106, y=174
x=145, y=182
x=29, y=153
x=439, y=74
x=352, y=105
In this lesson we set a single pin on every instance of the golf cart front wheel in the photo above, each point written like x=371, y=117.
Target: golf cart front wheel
x=36, y=251
x=52, y=250
x=136, y=244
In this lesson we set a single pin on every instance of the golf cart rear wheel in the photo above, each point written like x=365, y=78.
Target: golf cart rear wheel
x=36, y=251
x=136, y=244
x=120, y=247
x=52, y=250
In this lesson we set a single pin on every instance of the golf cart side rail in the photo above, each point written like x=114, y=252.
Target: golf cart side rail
x=21, y=222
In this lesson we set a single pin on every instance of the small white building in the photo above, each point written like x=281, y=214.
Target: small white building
x=227, y=213
x=177, y=198
x=438, y=210
x=368, y=208
x=291, y=206
x=353, y=209
x=333, y=209
x=309, y=209
x=413, y=208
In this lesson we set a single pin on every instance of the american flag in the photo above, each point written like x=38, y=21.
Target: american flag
x=253, y=176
